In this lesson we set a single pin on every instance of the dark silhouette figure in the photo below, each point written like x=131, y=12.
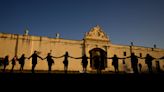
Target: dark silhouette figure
x=158, y=67
x=134, y=62
x=97, y=63
x=84, y=62
x=115, y=62
x=13, y=62
x=5, y=62
x=34, y=60
x=148, y=61
x=140, y=67
x=50, y=61
x=22, y=61
x=158, y=64
x=65, y=62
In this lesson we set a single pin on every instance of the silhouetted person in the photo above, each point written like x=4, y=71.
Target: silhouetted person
x=34, y=57
x=22, y=61
x=115, y=62
x=140, y=67
x=5, y=62
x=148, y=61
x=65, y=62
x=158, y=66
x=13, y=63
x=97, y=63
x=134, y=62
x=84, y=62
x=50, y=61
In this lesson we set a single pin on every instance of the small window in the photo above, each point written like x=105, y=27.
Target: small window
x=140, y=54
x=152, y=49
x=124, y=53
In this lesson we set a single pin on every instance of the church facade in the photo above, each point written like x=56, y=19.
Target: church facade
x=94, y=43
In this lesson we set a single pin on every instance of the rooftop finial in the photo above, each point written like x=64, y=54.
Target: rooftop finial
x=26, y=31
x=131, y=43
x=57, y=35
x=155, y=46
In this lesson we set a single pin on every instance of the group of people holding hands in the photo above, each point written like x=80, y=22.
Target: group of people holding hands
x=134, y=62
x=84, y=62
x=35, y=57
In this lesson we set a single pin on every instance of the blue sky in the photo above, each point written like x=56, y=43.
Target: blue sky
x=139, y=21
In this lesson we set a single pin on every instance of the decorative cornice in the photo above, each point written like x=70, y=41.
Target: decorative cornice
x=96, y=33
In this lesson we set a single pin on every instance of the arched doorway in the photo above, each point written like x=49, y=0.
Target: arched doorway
x=98, y=58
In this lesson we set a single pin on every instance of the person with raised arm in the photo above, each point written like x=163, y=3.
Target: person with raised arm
x=84, y=62
x=13, y=62
x=50, y=61
x=134, y=62
x=22, y=61
x=115, y=62
x=148, y=61
x=34, y=57
x=65, y=61
x=5, y=62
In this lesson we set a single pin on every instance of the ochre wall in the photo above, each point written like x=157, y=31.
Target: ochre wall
x=12, y=43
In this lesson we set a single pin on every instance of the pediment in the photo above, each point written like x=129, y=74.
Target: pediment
x=96, y=33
